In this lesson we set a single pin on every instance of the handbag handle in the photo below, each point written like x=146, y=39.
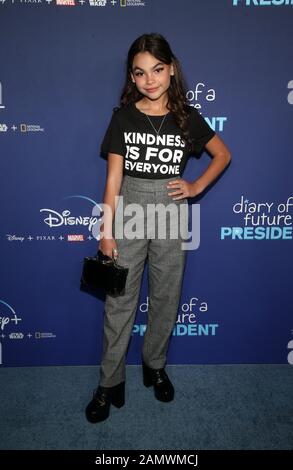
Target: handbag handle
x=113, y=257
x=109, y=259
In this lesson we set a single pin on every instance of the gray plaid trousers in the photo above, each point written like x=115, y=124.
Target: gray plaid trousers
x=166, y=262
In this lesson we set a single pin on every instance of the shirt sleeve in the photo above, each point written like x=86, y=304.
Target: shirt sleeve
x=200, y=131
x=113, y=140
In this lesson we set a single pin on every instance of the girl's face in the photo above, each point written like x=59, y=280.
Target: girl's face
x=152, y=77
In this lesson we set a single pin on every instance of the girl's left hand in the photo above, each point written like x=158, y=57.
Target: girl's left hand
x=183, y=188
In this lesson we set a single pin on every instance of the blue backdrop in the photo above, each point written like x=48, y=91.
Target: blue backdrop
x=62, y=71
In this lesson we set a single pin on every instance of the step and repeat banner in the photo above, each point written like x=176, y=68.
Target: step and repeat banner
x=62, y=68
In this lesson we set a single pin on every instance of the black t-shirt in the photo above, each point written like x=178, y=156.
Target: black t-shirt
x=146, y=154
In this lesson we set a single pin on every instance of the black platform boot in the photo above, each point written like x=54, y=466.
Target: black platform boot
x=163, y=388
x=99, y=407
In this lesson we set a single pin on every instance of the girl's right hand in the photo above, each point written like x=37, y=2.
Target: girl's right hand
x=106, y=245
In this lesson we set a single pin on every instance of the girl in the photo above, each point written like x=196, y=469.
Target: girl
x=147, y=144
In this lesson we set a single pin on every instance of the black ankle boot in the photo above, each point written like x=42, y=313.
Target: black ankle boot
x=99, y=408
x=163, y=388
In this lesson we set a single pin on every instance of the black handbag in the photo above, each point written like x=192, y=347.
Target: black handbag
x=103, y=272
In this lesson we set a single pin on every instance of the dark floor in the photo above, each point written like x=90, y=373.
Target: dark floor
x=215, y=407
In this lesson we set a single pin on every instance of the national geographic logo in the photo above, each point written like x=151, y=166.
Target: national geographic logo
x=132, y=3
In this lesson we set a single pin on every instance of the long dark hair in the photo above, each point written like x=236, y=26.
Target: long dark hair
x=177, y=103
